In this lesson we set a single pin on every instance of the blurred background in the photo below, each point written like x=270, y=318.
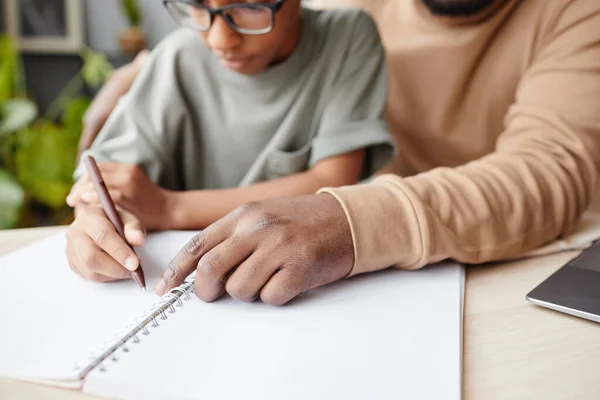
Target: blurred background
x=54, y=56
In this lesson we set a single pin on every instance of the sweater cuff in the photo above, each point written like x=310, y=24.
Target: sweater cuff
x=384, y=217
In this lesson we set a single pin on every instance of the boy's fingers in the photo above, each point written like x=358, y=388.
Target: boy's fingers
x=85, y=178
x=107, y=167
x=116, y=195
x=86, y=257
x=96, y=264
x=99, y=229
x=111, y=171
x=135, y=231
x=84, y=192
x=72, y=257
x=80, y=187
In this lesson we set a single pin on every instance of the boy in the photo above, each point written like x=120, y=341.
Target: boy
x=278, y=101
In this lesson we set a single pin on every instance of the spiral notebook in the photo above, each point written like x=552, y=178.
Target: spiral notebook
x=393, y=334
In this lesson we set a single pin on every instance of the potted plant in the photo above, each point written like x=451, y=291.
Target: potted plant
x=38, y=152
x=16, y=113
x=132, y=39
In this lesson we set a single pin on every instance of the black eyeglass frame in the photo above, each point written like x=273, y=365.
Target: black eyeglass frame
x=213, y=12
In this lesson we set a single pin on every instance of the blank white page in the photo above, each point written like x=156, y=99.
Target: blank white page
x=387, y=335
x=50, y=317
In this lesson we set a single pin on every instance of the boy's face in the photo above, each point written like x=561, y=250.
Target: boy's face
x=252, y=54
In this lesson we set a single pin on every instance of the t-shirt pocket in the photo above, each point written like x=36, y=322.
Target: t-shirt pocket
x=284, y=163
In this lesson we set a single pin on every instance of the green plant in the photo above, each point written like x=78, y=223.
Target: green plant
x=132, y=11
x=93, y=73
x=12, y=197
x=45, y=162
x=16, y=112
x=12, y=77
x=37, y=155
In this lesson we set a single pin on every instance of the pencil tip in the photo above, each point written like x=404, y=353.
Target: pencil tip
x=139, y=281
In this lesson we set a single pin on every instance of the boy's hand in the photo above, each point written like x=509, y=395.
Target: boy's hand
x=130, y=189
x=96, y=251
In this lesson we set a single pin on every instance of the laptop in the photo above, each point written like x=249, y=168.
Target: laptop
x=575, y=288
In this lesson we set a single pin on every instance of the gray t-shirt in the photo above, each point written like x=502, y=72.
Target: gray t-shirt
x=192, y=124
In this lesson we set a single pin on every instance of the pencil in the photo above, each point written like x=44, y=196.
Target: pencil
x=110, y=210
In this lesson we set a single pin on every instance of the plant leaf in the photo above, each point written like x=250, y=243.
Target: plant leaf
x=96, y=68
x=45, y=162
x=16, y=115
x=12, y=198
x=12, y=76
x=132, y=12
x=72, y=118
x=7, y=61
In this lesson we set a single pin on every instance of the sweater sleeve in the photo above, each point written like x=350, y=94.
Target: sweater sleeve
x=531, y=190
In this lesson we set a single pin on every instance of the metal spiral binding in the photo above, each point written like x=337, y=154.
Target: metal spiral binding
x=167, y=303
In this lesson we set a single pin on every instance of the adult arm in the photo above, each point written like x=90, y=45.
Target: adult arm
x=107, y=98
x=532, y=189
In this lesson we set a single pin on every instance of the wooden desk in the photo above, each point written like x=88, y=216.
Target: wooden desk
x=512, y=349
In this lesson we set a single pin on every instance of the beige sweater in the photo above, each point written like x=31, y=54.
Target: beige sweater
x=498, y=125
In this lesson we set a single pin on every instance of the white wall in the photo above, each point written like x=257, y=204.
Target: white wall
x=104, y=22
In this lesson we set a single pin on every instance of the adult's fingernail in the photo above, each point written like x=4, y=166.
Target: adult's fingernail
x=161, y=287
x=131, y=263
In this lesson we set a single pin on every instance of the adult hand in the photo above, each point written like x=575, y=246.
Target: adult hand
x=130, y=189
x=273, y=249
x=96, y=251
x=106, y=100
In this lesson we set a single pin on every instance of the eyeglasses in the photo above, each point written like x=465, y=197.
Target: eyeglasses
x=244, y=18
